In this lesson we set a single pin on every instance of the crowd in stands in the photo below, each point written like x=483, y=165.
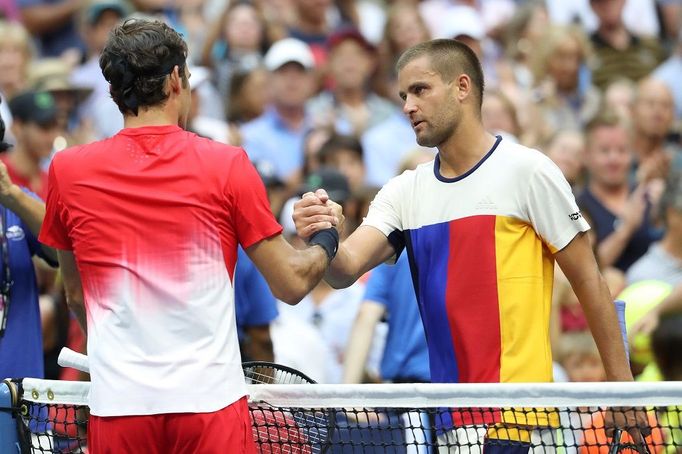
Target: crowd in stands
x=308, y=88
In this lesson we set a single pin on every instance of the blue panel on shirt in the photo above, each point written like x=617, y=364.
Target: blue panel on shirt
x=427, y=247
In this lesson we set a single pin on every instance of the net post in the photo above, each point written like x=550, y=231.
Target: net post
x=9, y=442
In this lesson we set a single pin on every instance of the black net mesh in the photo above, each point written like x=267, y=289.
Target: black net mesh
x=63, y=429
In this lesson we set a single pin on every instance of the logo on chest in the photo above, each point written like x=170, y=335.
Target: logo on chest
x=486, y=203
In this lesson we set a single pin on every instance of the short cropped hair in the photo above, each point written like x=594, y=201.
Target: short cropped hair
x=138, y=56
x=449, y=58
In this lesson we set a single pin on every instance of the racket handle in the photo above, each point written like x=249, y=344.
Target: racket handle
x=615, y=444
x=70, y=358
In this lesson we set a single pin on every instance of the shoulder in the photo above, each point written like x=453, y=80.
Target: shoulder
x=519, y=158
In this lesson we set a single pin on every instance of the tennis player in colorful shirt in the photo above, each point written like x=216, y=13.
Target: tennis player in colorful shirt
x=147, y=225
x=482, y=225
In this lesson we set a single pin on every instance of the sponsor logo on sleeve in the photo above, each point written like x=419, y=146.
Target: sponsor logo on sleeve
x=575, y=216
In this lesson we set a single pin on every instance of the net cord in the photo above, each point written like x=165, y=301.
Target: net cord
x=467, y=395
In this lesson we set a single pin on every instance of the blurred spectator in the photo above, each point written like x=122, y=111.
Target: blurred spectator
x=653, y=116
x=666, y=342
x=200, y=124
x=277, y=192
x=663, y=260
x=561, y=99
x=235, y=43
x=622, y=215
x=640, y=16
x=350, y=106
x=499, y=115
x=16, y=54
x=618, y=52
x=52, y=75
x=312, y=144
x=313, y=25
x=35, y=128
x=278, y=134
x=567, y=150
x=344, y=153
x=385, y=146
x=96, y=23
x=9, y=10
x=255, y=309
x=404, y=28
x=55, y=24
x=580, y=358
x=619, y=97
x=330, y=311
x=494, y=13
x=670, y=72
x=20, y=329
x=248, y=95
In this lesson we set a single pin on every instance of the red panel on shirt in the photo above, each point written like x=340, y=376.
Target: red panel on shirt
x=471, y=299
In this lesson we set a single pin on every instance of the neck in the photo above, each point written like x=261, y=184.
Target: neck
x=292, y=116
x=672, y=244
x=350, y=96
x=464, y=148
x=646, y=145
x=312, y=26
x=611, y=196
x=616, y=35
x=152, y=117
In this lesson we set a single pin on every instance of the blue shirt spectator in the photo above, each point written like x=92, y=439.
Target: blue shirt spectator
x=58, y=20
x=254, y=303
x=24, y=332
x=405, y=356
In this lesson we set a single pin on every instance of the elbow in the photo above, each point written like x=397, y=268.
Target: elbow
x=75, y=302
x=292, y=293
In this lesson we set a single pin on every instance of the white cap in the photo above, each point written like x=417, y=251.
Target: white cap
x=289, y=50
x=199, y=75
x=462, y=21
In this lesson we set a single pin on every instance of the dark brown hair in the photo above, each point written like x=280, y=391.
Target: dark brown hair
x=138, y=56
x=449, y=58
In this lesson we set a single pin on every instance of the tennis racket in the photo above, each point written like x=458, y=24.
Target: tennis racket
x=295, y=430
x=617, y=446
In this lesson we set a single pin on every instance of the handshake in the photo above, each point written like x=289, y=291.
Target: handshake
x=316, y=212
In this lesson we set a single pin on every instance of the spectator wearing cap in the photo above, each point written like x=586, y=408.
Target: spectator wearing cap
x=55, y=23
x=96, y=22
x=278, y=134
x=351, y=105
x=52, y=75
x=35, y=128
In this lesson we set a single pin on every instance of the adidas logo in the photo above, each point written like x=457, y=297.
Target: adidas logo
x=486, y=204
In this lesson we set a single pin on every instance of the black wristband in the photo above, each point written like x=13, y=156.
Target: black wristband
x=328, y=239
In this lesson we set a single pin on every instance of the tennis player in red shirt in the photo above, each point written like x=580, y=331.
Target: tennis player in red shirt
x=147, y=224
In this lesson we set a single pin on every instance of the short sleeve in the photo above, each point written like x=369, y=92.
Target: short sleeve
x=54, y=231
x=251, y=212
x=378, y=288
x=384, y=213
x=552, y=209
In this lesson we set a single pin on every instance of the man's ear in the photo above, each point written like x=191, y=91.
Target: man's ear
x=176, y=80
x=464, y=86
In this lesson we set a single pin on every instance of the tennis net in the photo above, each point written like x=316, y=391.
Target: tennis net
x=51, y=417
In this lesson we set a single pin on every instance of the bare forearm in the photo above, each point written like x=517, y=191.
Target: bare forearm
x=307, y=267
x=603, y=321
x=360, y=341
x=41, y=19
x=29, y=210
x=77, y=306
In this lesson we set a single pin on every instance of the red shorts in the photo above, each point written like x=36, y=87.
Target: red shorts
x=223, y=431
